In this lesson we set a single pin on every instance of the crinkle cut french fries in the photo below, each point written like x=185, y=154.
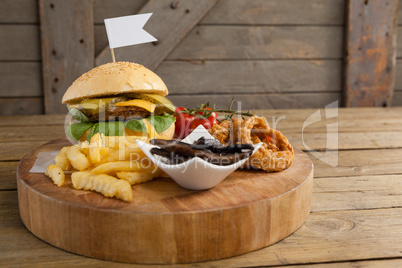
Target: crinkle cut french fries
x=107, y=165
x=135, y=177
x=56, y=174
x=77, y=158
x=62, y=159
x=107, y=185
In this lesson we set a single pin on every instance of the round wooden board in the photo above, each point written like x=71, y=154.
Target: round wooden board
x=166, y=223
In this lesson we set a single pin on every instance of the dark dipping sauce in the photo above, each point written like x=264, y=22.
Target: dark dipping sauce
x=176, y=152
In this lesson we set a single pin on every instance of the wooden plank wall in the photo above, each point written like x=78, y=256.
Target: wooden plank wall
x=266, y=53
x=20, y=58
x=397, y=98
x=370, y=47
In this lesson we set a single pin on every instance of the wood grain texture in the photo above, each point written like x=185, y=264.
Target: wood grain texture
x=317, y=12
x=320, y=238
x=398, y=74
x=397, y=95
x=101, y=40
x=371, y=52
x=20, y=42
x=250, y=100
x=104, y=9
x=356, y=206
x=260, y=42
x=306, y=12
x=288, y=12
x=399, y=40
x=176, y=23
x=367, y=192
x=20, y=79
x=347, y=140
x=67, y=46
x=384, y=263
x=348, y=120
x=14, y=151
x=42, y=133
x=358, y=163
x=345, y=114
x=32, y=120
x=397, y=98
x=384, y=125
x=166, y=223
x=19, y=11
x=285, y=12
x=253, y=76
x=316, y=241
x=8, y=172
x=252, y=42
x=21, y=106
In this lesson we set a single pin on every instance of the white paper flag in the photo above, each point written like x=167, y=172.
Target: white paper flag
x=127, y=30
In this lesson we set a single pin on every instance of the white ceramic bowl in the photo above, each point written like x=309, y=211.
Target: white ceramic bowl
x=196, y=173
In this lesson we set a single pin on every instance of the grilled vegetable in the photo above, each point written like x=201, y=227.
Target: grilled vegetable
x=177, y=151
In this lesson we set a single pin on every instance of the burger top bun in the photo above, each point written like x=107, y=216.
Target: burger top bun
x=114, y=78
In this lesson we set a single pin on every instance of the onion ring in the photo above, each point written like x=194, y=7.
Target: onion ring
x=276, y=153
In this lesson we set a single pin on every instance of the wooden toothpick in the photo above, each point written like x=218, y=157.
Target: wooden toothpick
x=112, y=51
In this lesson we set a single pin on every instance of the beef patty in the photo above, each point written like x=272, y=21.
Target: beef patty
x=118, y=113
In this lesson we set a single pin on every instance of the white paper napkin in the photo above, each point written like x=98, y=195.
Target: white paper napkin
x=43, y=160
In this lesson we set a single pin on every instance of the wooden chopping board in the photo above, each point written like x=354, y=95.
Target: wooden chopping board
x=166, y=223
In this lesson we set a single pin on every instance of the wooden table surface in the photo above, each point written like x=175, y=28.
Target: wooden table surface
x=356, y=213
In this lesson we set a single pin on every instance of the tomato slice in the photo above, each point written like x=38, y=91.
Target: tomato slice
x=207, y=123
x=186, y=123
x=183, y=122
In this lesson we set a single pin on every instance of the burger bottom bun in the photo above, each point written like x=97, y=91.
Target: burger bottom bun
x=151, y=132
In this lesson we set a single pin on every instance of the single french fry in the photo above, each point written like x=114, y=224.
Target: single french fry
x=112, y=167
x=56, y=174
x=62, y=161
x=107, y=185
x=135, y=177
x=77, y=159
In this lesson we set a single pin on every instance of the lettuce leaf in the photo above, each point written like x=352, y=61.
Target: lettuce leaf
x=161, y=122
x=136, y=125
x=76, y=130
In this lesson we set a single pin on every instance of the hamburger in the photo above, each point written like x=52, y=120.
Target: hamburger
x=120, y=98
